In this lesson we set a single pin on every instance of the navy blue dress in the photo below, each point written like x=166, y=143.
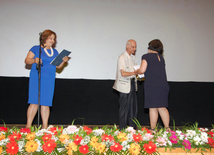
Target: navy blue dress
x=48, y=73
x=156, y=87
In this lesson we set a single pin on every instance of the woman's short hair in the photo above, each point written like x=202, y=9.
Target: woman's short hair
x=45, y=35
x=156, y=45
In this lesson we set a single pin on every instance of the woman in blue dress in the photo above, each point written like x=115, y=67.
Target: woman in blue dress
x=156, y=87
x=48, y=71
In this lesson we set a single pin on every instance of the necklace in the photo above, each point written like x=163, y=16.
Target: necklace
x=50, y=55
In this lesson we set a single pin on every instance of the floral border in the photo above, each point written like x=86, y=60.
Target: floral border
x=85, y=140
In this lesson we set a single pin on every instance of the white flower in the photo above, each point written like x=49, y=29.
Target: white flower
x=178, y=132
x=85, y=141
x=197, y=140
x=49, y=132
x=203, y=129
x=71, y=129
x=125, y=145
x=22, y=133
x=190, y=133
x=49, y=127
x=165, y=135
x=55, y=138
x=157, y=144
x=21, y=144
x=109, y=143
x=41, y=132
x=204, y=137
x=39, y=145
x=169, y=142
x=145, y=138
x=2, y=132
x=130, y=138
x=116, y=133
x=181, y=137
x=4, y=142
x=98, y=132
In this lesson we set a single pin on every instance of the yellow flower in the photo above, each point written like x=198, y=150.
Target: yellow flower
x=122, y=136
x=63, y=138
x=70, y=152
x=31, y=146
x=93, y=141
x=100, y=147
x=72, y=146
x=30, y=136
x=2, y=136
x=134, y=149
x=1, y=150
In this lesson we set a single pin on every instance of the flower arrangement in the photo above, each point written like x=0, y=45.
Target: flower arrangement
x=84, y=140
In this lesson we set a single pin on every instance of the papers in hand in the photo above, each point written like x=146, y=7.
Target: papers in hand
x=58, y=60
x=138, y=67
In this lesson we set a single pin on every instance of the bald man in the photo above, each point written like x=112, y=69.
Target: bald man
x=126, y=85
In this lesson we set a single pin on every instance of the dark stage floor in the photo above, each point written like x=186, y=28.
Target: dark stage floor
x=19, y=126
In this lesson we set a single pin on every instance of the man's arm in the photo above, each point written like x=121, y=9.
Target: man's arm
x=125, y=74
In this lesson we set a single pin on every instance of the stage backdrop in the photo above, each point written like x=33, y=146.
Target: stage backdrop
x=97, y=102
x=96, y=32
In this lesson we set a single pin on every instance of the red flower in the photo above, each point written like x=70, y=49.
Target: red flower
x=116, y=147
x=211, y=142
x=77, y=140
x=12, y=147
x=3, y=129
x=49, y=146
x=107, y=138
x=150, y=148
x=46, y=137
x=25, y=130
x=53, y=130
x=211, y=133
x=15, y=136
x=137, y=138
x=84, y=149
x=87, y=130
x=145, y=129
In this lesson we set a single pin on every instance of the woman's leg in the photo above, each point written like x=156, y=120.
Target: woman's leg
x=31, y=112
x=153, y=114
x=164, y=114
x=45, y=112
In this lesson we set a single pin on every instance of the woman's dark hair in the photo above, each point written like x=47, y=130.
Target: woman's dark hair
x=46, y=34
x=156, y=45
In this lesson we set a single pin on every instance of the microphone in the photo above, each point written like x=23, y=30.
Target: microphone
x=40, y=33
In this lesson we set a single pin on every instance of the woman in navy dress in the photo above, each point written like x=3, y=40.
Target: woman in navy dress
x=48, y=71
x=156, y=87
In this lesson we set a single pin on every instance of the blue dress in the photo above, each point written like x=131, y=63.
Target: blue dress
x=48, y=73
x=156, y=87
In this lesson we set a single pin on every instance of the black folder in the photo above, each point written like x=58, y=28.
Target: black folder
x=58, y=60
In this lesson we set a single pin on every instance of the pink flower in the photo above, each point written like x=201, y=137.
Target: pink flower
x=186, y=144
x=131, y=130
x=149, y=136
x=174, y=139
x=161, y=141
x=71, y=129
x=172, y=132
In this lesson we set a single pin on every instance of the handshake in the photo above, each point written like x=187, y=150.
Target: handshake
x=136, y=68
